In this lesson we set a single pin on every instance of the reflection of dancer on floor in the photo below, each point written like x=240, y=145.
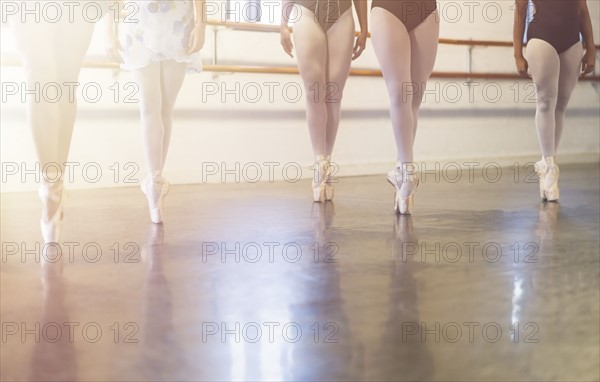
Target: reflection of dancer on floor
x=405, y=37
x=54, y=356
x=553, y=58
x=161, y=356
x=52, y=52
x=159, y=42
x=324, y=40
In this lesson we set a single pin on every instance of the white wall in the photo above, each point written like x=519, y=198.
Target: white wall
x=458, y=123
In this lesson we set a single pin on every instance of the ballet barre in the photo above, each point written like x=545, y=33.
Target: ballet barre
x=264, y=28
x=6, y=62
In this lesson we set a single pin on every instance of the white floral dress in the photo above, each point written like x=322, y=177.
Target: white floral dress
x=158, y=30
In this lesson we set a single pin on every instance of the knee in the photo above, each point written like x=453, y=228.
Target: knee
x=546, y=102
x=401, y=96
x=40, y=72
x=561, y=104
x=314, y=85
x=167, y=116
x=150, y=113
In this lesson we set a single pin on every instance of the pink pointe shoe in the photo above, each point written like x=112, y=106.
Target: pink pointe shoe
x=322, y=186
x=405, y=182
x=51, y=193
x=548, y=173
x=155, y=188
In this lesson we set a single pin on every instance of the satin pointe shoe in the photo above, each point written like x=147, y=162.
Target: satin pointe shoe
x=156, y=188
x=51, y=194
x=322, y=186
x=405, y=182
x=548, y=174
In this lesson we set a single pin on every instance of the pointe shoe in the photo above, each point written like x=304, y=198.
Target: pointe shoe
x=322, y=186
x=548, y=174
x=405, y=185
x=51, y=226
x=155, y=187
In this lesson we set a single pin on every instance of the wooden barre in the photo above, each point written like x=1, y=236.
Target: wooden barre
x=294, y=70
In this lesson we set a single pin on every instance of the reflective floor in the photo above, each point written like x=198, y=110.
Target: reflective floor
x=255, y=282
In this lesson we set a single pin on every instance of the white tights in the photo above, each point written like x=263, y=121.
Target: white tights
x=52, y=53
x=407, y=61
x=159, y=84
x=324, y=59
x=555, y=76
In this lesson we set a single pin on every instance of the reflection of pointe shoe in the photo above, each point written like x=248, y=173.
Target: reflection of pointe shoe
x=405, y=183
x=153, y=244
x=323, y=213
x=548, y=174
x=52, y=264
x=322, y=186
x=51, y=193
x=404, y=229
x=156, y=189
x=548, y=214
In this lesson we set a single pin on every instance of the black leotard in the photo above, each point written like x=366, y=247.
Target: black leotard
x=327, y=12
x=556, y=22
x=410, y=12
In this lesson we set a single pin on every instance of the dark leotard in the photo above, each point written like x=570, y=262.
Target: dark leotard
x=327, y=12
x=556, y=22
x=410, y=12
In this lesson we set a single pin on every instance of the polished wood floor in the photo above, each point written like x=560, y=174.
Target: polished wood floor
x=255, y=282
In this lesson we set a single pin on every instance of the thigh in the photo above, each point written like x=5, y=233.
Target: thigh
x=544, y=66
x=340, y=44
x=392, y=46
x=171, y=77
x=311, y=47
x=72, y=42
x=35, y=43
x=424, y=44
x=149, y=86
x=570, y=64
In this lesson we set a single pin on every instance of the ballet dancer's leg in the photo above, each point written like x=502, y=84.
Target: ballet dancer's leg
x=544, y=67
x=340, y=38
x=423, y=43
x=570, y=64
x=406, y=60
x=52, y=54
x=148, y=80
x=72, y=46
x=159, y=83
x=171, y=77
x=311, y=48
x=36, y=45
x=392, y=45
